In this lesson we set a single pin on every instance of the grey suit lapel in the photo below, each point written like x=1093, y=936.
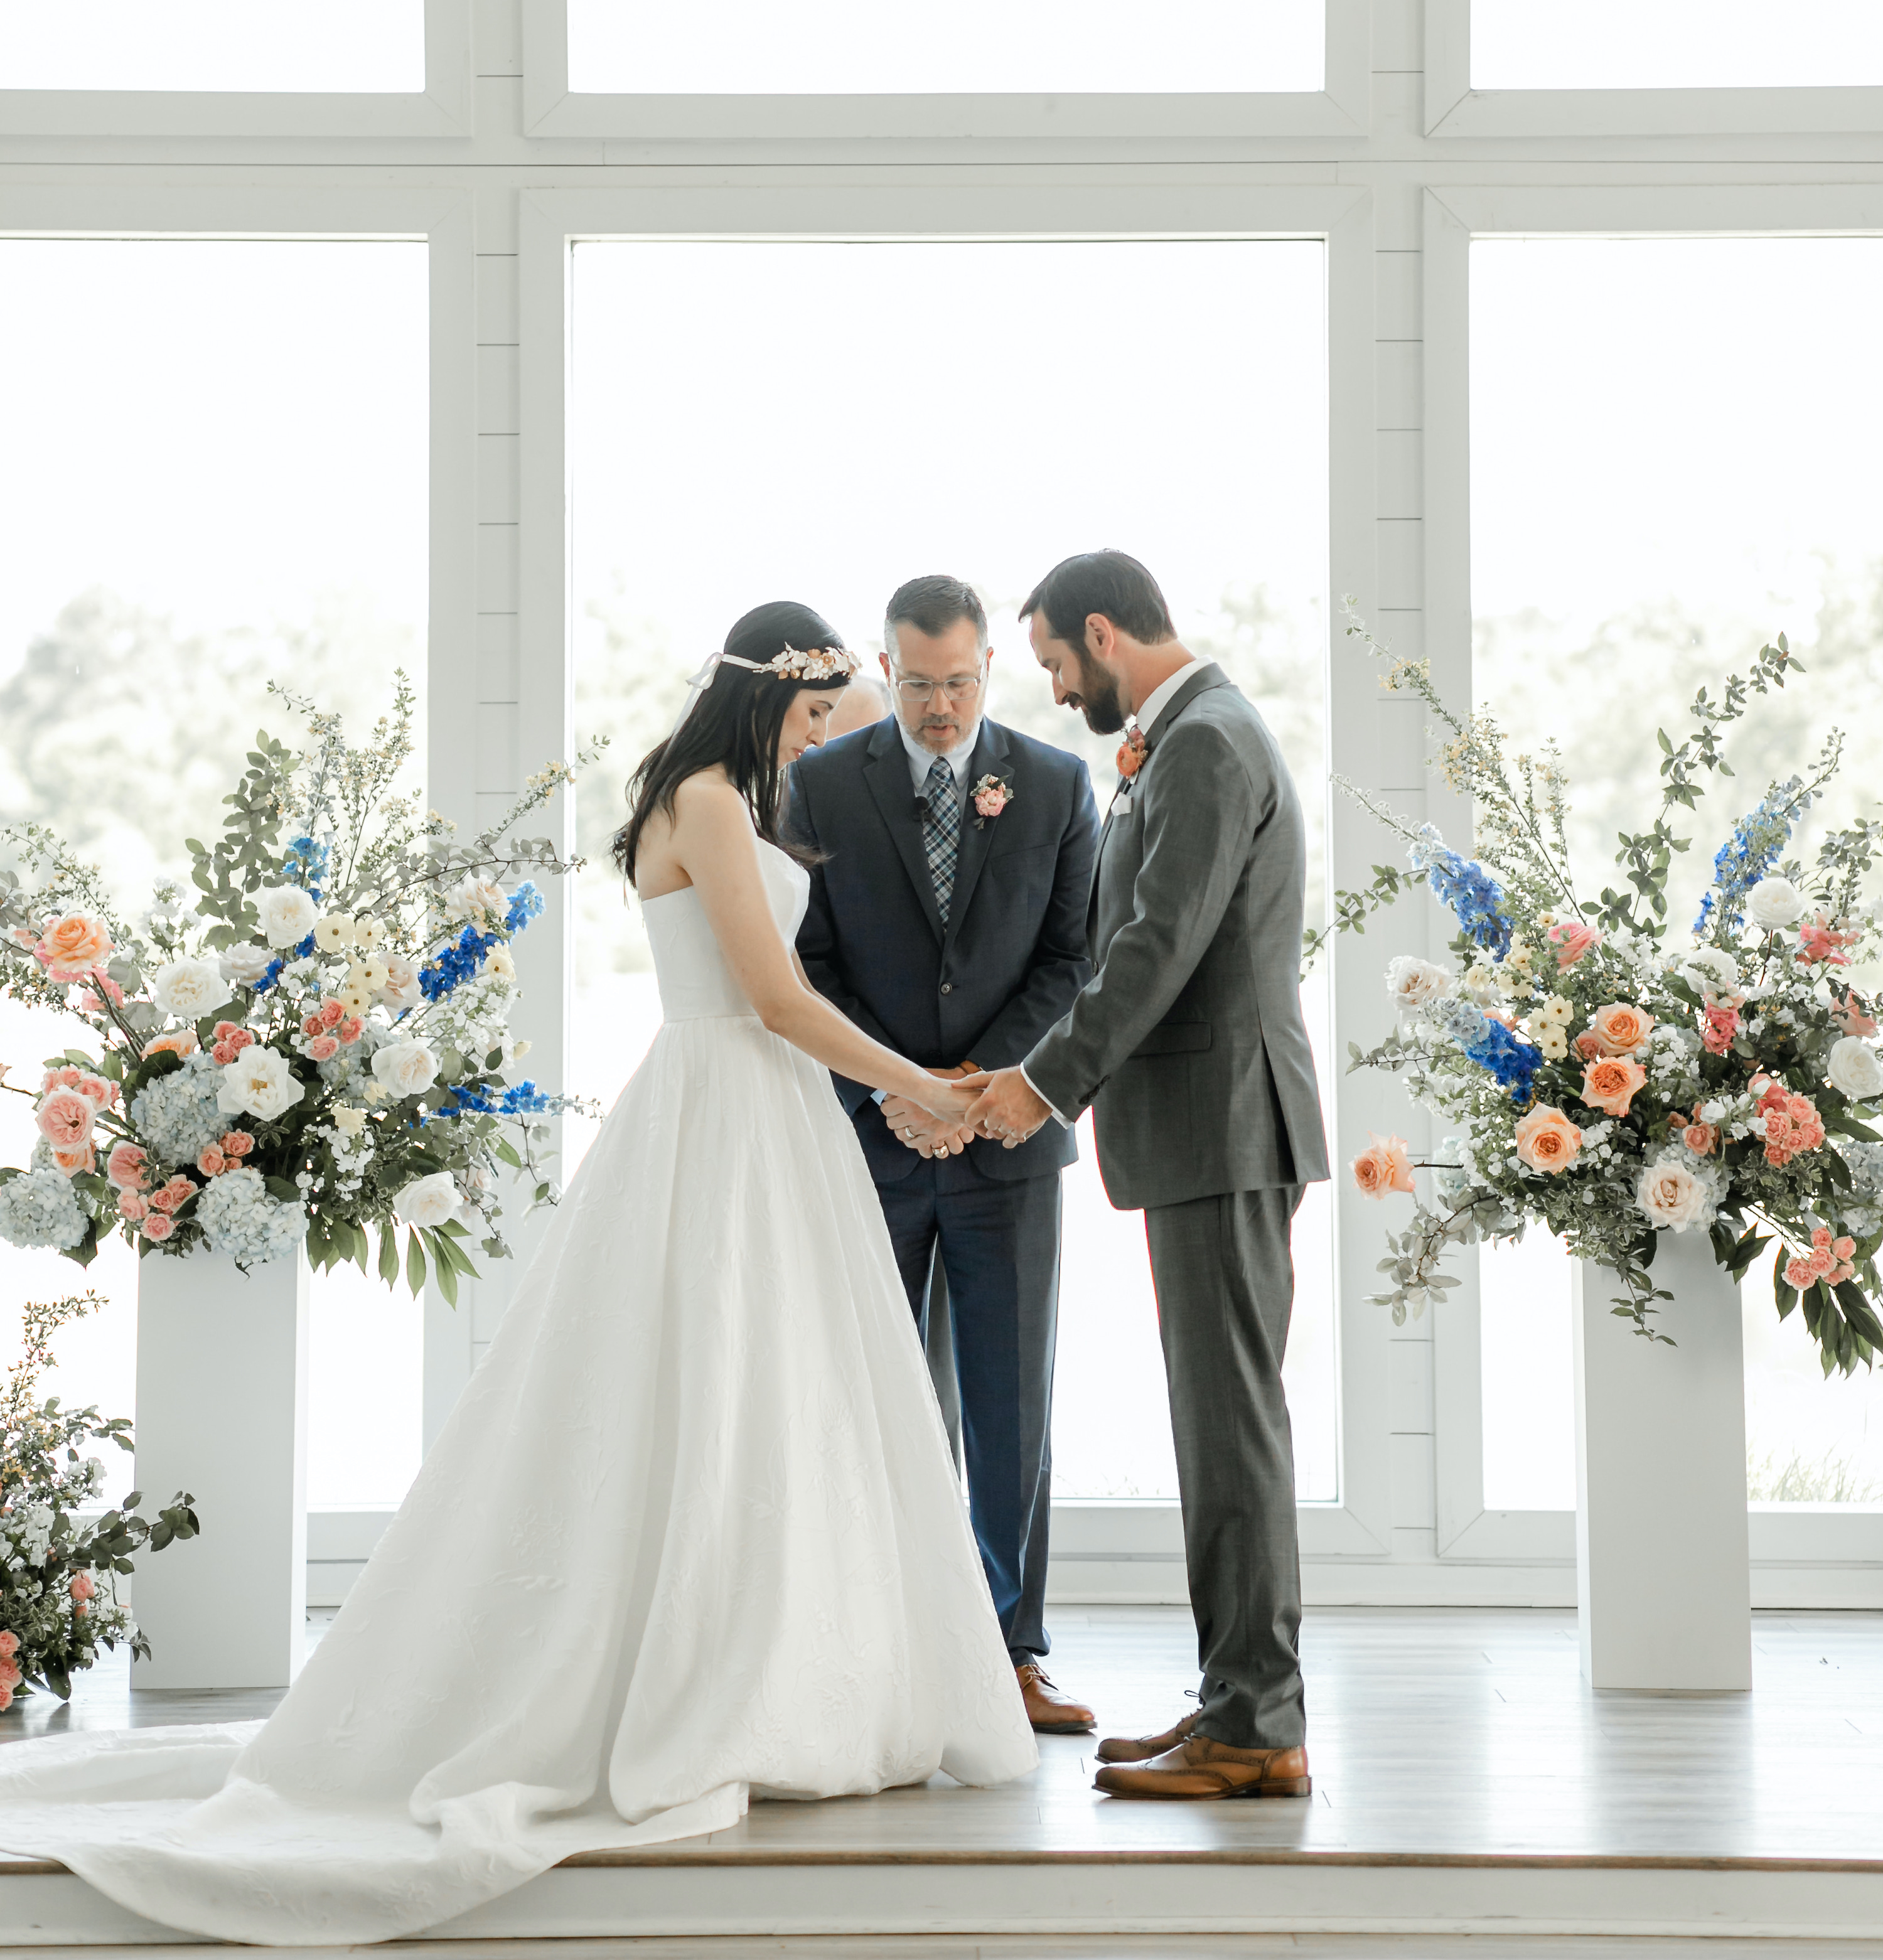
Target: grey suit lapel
x=990, y=758
x=886, y=772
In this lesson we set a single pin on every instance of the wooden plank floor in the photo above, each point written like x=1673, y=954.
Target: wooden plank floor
x=1459, y=1734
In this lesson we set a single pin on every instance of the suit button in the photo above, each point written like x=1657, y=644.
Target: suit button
x=948, y=986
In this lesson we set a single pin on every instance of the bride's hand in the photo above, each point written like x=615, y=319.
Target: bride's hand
x=945, y=1099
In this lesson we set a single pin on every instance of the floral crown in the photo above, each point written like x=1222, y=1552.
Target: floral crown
x=794, y=663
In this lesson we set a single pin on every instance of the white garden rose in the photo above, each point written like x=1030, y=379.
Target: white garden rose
x=427, y=1201
x=1775, y=903
x=405, y=1068
x=480, y=900
x=243, y=965
x=288, y=914
x=189, y=988
x=1673, y=1197
x=1413, y=984
x=1854, y=1069
x=400, y=987
x=258, y=1083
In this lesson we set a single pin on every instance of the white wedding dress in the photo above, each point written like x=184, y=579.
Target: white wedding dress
x=692, y=1533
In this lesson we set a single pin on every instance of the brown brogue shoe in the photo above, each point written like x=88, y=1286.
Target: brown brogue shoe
x=1051, y=1713
x=1198, y=1771
x=1141, y=1749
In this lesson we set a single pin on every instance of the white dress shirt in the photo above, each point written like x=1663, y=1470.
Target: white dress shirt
x=922, y=760
x=1147, y=718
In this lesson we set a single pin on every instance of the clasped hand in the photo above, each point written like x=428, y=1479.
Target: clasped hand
x=933, y=1128
x=1002, y=1106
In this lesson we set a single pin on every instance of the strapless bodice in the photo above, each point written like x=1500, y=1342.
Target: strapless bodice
x=695, y=983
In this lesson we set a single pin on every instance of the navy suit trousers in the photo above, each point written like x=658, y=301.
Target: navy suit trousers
x=998, y=1246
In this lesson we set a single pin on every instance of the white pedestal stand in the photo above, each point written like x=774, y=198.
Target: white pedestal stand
x=222, y=1413
x=1662, y=1574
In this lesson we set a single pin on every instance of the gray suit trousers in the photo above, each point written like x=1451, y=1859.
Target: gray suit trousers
x=1225, y=1280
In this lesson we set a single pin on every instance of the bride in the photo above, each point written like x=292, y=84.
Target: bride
x=693, y=1532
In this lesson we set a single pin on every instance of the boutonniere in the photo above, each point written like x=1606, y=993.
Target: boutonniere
x=991, y=795
x=1131, y=752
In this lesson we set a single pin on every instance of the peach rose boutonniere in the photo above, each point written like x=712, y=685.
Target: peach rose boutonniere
x=1610, y=1084
x=1384, y=1165
x=991, y=795
x=1548, y=1140
x=1132, y=751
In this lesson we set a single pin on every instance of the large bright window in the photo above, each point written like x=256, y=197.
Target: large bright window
x=970, y=47
x=262, y=46
x=1676, y=44
x=216, y=476
x=1673, y=445
x=823, y=421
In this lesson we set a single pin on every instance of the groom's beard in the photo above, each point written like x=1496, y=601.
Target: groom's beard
x=1096, y=698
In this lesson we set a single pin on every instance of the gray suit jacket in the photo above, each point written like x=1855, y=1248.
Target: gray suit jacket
x=1189, y=1037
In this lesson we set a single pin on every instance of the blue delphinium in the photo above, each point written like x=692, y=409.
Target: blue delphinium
x=304, y=951
x=1473, y=894
x=1491, y=1045
x=525, y=903
x=306, y=862
x=460, y=960
x=1749, y=854
x=476, y=1099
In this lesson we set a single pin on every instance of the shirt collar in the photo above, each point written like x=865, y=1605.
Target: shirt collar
x=1159, y=697
x=921, y=760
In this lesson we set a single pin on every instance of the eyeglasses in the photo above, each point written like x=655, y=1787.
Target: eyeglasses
x=958, y=687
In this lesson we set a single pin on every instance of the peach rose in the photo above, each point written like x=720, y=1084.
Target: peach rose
x=322, y=1047
x=1610, y=1084
x=1619, y=1028
x=332, y=1014
x=1852, y=1015
x=1587, y=1047
x=133, y=1207
x=64, y=1118
x=237, y=1143
x=83, y=1586
x=1572, y=940
x=72, y=1162
x=1547, y=1140
x=104, y=1094
x=128, y=1167
x=70, y=947
x=174, y=1195
x=61, y=1078
x=183, y=1043
x=211, y=1161
x=158, y=1226
x=350, y=1030
x=6, y=1699
x=1384, y=1165
x=9, y=1644
x=11, y=1676
x=1700, y=1138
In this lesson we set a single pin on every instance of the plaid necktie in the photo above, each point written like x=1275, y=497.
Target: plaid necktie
x=941, y=831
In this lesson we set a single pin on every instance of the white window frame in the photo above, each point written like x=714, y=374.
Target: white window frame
x=1454, y=109
x=443, y=109
x=1101, y=1549
x=1340, y=108
x=1802, y=1553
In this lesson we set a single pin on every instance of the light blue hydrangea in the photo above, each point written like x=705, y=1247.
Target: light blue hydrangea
x=41, y=1208
x=177, y=1114
x=239, y=1218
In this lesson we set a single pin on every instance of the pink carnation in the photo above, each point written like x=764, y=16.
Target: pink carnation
x=322, y=1047
x=312, y=1025
x=64, y=1118
x=331, y=1013
x=128, y=1167
x=1722, y=1026
x=158, y=1226
x=350, y=1030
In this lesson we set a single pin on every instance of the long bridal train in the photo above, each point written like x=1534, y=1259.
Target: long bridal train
x=691, y=1533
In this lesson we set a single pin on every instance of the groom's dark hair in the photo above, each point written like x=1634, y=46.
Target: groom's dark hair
x=1111, y=582
x=931, y=605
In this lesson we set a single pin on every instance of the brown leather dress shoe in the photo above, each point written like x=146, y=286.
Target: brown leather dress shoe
x=1198, y=1770
x=1141, y=1749
x=1051, y=1713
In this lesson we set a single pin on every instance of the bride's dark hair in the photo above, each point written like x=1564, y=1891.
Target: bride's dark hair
x=734, y=725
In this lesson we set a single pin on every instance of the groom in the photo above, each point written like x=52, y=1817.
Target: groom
x=948, y=920
x=1190, y=1041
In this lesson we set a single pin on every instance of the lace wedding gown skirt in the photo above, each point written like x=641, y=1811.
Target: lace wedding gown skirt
x=691, y=1533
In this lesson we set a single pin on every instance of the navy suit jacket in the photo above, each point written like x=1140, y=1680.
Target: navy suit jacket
x=1013, y=956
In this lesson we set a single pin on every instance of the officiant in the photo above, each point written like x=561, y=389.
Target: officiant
x=947, y=918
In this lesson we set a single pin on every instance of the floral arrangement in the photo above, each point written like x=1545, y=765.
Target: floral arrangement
x=315, y=1047
x=55, y=1613
x=1610, y=1079
x=990, y=795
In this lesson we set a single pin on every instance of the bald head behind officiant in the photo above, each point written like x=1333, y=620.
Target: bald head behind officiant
x=864, y=702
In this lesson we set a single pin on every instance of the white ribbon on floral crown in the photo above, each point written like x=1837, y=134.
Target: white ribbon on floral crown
x=793, y=664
